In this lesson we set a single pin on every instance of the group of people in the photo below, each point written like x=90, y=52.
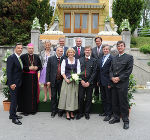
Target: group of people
x=97, y=68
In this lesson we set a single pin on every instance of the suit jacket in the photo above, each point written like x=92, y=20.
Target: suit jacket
x=121, y=67
x=64, y=54
x=42, y=56
x=14, y=71
x=103, y=73
x=51, y=70
x=91, y=67
x=81, y=52
x=95, y=54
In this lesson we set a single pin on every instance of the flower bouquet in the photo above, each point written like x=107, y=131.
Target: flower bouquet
x=75, y=77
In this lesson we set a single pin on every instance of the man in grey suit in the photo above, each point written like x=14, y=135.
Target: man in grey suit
x=78, y=48
x=120, y=70
x=97, y=53
x=54, y=78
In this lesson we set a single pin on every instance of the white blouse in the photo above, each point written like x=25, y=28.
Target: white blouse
x=63, y=65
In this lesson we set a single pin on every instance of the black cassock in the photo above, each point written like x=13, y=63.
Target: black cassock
x=30, y=85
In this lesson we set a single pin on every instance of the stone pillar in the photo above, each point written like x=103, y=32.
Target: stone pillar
x=35, y=34
x=126, y=37
x=90, y=22
x=72, y=21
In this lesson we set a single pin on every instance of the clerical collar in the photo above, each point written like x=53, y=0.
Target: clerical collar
x=17, y=55
x=88, y=57
x=121, y=54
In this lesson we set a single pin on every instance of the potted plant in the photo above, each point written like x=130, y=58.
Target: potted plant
x=5, y=88
x=125, y=26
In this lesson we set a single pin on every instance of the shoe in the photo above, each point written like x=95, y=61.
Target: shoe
x=114, y=121
x=87, y=116
x=126, y=126
x=60, y=114
x=16, y=121
x=45, y=100
x=53, y=114
x=17, y=117
x=103, y=114
x=33, y=113
x=25, y=114
x=107, y=118
x=79, y=116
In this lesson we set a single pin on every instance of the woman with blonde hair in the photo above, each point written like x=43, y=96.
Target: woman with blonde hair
x=44, y=59
x=69, y=91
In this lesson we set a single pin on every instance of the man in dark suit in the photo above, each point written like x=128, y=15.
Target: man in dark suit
x=104, y=64
x=120, y=70
x=88, y=68
x=62, y=44
x=78, y=48
x=97, y=53
x=54, y=78
x=14, y=76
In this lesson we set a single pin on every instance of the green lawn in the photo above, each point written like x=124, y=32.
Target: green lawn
x=137, y=42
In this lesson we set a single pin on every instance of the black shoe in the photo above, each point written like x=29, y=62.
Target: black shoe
x=25, y=114
x=60, y=114
x=68, y=118
x=114, y=121
x=17, y=117
x=103, y=114
x=16, y=121
x=87, y=116
x=126, y=126
x=107, y=118
x=79, y=116
x=33, y=113
x=53, y=114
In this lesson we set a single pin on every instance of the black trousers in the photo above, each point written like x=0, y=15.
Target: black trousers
x=120, y=103
x=14, y=103
x=106, y=98
x=85, y=99
x=55, y=93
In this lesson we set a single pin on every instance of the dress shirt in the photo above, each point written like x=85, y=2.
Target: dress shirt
x=63, y=65
x=106, y=57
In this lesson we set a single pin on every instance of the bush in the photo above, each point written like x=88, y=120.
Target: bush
x=145, y=49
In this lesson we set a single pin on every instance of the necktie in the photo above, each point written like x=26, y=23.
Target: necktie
x=78, y=51
x=58, y=69
x=98, y=50
x=103, y=60
x=20, y=62
x=86, y=59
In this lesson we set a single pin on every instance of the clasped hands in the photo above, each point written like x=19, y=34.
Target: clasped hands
x=13, y=86
x=115, y=79
x=34, y=68
x=85, y=84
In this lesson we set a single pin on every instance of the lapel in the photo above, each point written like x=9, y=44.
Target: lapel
x=17, y=61
x=107, y=61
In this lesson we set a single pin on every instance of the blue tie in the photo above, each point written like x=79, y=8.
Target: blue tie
x=103, y=59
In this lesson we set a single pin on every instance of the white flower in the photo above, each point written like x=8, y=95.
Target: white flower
x=75, y=77
x=5, y=59
x=93, y=101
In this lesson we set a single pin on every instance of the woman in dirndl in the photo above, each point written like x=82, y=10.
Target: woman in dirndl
x=69, y=91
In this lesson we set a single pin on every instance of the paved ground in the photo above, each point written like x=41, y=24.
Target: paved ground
x=43, y=127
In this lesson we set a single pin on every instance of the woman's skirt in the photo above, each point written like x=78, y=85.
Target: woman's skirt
x=68, y=96
x=42, y=78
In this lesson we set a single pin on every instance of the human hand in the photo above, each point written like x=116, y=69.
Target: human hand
x=87, y=84
x=35, y=68
x=109, y=86
x=83, y=83
x=31, y=68
x=13, y=86
x=48, y=84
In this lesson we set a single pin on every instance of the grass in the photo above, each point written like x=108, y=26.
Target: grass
x=137, y=42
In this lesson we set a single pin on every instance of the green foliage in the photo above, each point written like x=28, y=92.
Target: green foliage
x=127, y=9
x=137, y=42
x=125, y=26
x=145, y=49
x=148, y=63
x=131, y=89
x=5, y=89
x=16, y=18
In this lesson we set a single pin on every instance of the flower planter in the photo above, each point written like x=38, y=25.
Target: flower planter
x=6, y=105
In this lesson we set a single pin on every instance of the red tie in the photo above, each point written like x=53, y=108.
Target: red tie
x=86, y=59
x=78, y=51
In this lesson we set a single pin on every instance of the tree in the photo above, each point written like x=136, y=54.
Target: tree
x=16, y=17
x=127, y=9
x=146, y=13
